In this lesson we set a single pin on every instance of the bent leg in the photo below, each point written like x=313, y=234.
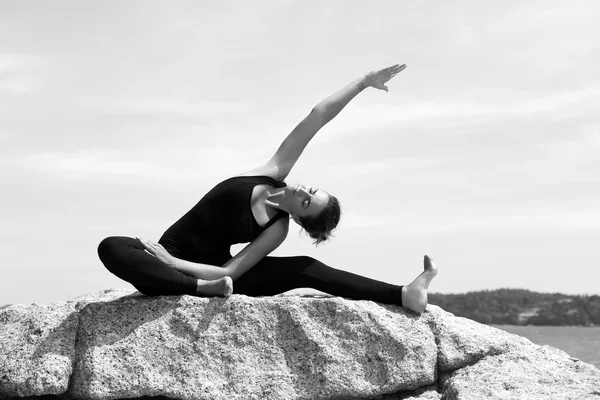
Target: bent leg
x=126, y=258
x=274, y=275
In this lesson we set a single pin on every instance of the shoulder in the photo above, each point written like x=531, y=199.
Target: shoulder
x=275, y=235
x=269, y=239
x=279, y=229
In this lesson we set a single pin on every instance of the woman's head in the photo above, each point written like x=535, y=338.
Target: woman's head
x=315, y=210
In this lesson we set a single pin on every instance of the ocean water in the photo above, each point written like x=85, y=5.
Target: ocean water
x=578, y=341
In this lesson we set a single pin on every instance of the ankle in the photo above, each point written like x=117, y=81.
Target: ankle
x=414, y=298
x=222, y=287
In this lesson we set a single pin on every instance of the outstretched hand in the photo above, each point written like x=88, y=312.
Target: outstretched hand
x=158, y=251
x=377, y=79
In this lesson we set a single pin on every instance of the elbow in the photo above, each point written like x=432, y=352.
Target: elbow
x=319, y=111
x=321, y=114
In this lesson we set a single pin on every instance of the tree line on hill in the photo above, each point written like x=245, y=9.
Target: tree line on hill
x=521, y=307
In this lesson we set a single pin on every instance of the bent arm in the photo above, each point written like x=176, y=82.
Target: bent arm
x=237, y=266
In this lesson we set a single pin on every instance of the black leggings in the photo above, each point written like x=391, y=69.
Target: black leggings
x=126, y=258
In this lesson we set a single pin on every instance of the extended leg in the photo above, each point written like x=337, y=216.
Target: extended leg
x=274, y=275
x=125, y=257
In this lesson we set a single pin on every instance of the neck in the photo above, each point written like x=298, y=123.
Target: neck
x=276, y=199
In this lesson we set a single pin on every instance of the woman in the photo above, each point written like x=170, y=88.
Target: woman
x=193, y=255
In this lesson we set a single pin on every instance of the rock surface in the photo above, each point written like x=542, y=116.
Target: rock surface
x=120, y=344
x=538, y=373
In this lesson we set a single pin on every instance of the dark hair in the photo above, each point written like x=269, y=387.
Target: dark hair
x=320, y=227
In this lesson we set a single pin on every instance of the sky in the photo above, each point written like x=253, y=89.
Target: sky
x=117, y=117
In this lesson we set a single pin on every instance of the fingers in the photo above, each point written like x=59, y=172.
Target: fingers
x=395, y=70
x=146, y=243
x=398, y=70
x=150, y=248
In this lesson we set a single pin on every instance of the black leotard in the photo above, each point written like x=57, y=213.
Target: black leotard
x=205, y=234
x=221, y=218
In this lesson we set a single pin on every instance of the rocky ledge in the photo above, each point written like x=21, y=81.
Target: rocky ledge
x=121, y=344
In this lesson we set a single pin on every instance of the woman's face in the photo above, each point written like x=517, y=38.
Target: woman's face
x=305, y=201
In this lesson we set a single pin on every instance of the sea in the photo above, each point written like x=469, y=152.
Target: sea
x=581, y=342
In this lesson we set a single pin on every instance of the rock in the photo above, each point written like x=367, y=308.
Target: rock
x=186, y=347
x=37, y=345
x=37, y=348
x=425, y=393
x=462, y=341
x=538, y=373
x=104, y=296
x=120, y=344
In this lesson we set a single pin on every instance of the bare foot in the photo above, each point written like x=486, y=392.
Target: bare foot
x=220, y=287
x=414, y=295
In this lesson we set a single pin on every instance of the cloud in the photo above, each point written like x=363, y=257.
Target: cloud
x=559, y=162
x=371, y=117
x=165, y=106
x=89, y=162
x=153, y=163
x=355, y=220
x=380, y=166
x=17, y=73
x=585, y=148
x=12, y=62
x=17, y=86
x=541, y=222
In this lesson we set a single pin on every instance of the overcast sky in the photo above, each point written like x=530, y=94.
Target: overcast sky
x=116, y=117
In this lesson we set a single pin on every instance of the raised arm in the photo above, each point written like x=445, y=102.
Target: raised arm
x=280, y=165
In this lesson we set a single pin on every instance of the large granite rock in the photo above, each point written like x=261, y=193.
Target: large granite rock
x=121, y=344
x=37, y=348
x=38, y=345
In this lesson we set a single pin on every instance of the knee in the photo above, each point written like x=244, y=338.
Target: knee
x=289, y=266
x=303, y=260
x=302, y=263
x=107, y=247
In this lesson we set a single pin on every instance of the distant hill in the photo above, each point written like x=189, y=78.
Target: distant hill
x=4, y=306
x=521, y=307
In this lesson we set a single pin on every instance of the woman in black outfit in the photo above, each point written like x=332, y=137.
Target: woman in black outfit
x=193, y=255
